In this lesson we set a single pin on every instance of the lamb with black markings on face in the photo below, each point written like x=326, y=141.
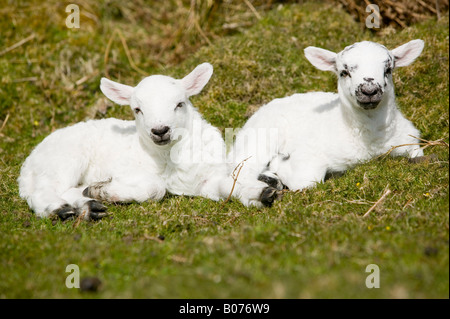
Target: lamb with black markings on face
x=321, y=132
x=364, y=72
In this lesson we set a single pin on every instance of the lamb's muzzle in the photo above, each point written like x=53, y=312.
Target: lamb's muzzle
x=161, y=135
x=369, y=94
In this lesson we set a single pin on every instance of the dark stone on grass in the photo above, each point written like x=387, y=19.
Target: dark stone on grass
x=90, y=284
x=430, y=251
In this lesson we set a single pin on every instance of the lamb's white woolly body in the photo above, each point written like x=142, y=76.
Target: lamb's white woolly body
x=320, y=133
x=169, y=147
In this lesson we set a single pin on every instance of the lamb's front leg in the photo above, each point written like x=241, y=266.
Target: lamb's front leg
x=410, y=148
x=255, y=188
x=80, y=205
x=254, y=192
x=132, y=187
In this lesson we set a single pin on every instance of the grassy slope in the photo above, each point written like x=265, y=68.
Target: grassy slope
x=310, y=244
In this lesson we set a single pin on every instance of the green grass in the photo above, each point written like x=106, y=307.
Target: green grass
x=310, y=244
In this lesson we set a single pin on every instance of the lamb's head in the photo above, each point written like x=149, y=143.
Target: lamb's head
x=160, y=103
x=364, y=69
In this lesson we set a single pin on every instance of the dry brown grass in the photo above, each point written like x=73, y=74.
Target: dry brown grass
x=398, y=13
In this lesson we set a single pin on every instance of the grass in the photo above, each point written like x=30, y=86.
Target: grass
x=311, y=244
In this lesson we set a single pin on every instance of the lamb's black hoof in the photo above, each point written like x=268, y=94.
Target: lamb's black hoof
x=274, y=182
x=86, y=192
x=97, y=190
x=65, y=212
x=94, y=191
x=268, y=195
x=96, y=210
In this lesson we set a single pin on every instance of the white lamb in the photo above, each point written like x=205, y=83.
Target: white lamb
x=319, y=133
x=169, y=147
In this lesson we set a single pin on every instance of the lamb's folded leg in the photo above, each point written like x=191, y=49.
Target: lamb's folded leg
x=294, y=176
x=133, y=187
x=253, y=189
x=80, y=205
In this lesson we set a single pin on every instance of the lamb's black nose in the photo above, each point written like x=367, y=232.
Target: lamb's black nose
x=160, y=131
x=369, y=89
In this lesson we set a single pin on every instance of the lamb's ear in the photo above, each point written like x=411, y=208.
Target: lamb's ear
x=322, y=59
x=194, y=82
x=405, y=54
x=116, y=92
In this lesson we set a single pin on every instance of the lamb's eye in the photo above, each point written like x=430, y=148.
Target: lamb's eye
x=344, y=73
x=137, y=110
x=179, y=105
x=388, y=71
